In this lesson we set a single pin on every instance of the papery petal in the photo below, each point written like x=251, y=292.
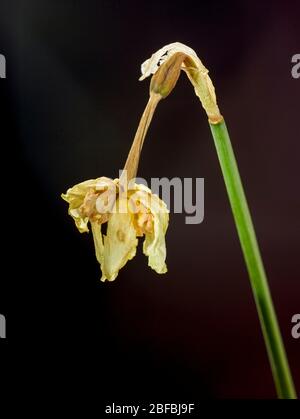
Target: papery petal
x=75, y=197
x=120, y=244
x=98, y=241
x=80, y=221
x=151, y=65
x=104, y=183
x=155, y=244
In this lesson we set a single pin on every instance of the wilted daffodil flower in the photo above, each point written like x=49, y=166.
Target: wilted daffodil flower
x=127, y=209
x=128, y=213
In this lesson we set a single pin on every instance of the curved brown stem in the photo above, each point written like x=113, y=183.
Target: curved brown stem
x=132, y=162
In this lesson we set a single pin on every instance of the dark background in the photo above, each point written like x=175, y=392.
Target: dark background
x=70, y=106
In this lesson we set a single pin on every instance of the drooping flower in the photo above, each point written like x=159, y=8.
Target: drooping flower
x=130, y=210
x=195, y=70
x=130, y=213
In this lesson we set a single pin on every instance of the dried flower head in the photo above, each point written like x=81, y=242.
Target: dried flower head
x=129, y=213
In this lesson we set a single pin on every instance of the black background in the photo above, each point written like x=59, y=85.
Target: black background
x=69, y=109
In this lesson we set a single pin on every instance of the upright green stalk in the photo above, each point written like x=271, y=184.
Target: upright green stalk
x=277, y=356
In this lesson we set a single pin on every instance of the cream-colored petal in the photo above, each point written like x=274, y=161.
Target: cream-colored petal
x=151, y=65
x=120, y=244
x=154, y=245
x=80, y=221
x=104, y=183
x=75, y=196
x=98, y=241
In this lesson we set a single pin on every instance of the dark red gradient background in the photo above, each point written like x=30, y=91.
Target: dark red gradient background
x=72, y=104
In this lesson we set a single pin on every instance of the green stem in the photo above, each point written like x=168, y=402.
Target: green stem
x=273, y=340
